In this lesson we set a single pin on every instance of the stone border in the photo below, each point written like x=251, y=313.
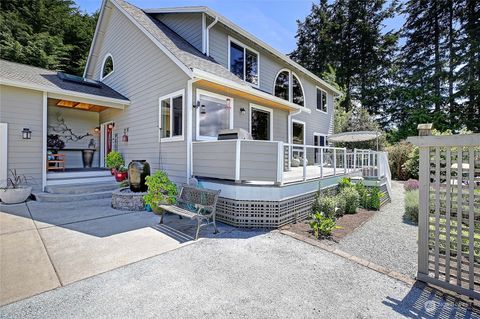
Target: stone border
x=474, y=304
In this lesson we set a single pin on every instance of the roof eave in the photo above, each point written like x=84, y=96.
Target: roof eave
x=62, y=91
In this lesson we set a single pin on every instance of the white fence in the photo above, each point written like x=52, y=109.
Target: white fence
x=449, y=216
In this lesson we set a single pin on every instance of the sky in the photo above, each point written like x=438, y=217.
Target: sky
x=273, y=21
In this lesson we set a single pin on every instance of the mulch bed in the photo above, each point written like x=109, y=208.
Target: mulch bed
x=348, y=222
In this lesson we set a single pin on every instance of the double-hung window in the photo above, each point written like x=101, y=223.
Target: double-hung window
x=321, y=100
x=171, y=116
x=243, y=62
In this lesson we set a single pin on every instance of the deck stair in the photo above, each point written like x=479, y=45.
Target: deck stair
x=75, y=186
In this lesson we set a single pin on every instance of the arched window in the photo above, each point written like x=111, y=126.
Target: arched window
x=297, y=91
x=288, y=83
x=282, y=85
x=107, y=66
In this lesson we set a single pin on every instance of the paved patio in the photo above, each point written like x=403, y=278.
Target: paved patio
x=47, y=245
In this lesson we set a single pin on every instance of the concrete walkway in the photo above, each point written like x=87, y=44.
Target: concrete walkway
x=387, y=239
x=47, y=245
x=252, y=276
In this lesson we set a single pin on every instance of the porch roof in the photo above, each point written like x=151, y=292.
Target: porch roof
x=30, y=77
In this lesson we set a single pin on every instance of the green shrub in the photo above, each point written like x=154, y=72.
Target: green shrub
x=327, y=205
x=160, y=189
x=341, y=205
x=398, y=154
x=322, y=225
x=363, y=192
x=374, y=196
x=114, y=160
x=352, y=199
x=411, y=205
x=344, y=182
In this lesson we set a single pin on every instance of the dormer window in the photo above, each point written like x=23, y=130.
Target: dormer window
x=107, y=66
x=288, y=87
x=243, y=61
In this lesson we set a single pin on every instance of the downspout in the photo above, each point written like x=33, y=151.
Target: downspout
x=189, y=104
x=207, y=44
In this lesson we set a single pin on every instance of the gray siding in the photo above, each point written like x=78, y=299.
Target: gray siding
x=214, y=159
x=143, y=73
x=270, y=65
x=187, y=25
x=23, y=108
x=258, y=161
x=280, y=118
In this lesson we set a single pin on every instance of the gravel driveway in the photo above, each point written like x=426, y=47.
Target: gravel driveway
x=243, y=275
x=387, y=239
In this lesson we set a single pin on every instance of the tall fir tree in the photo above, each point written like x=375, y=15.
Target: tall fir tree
x=52, y=34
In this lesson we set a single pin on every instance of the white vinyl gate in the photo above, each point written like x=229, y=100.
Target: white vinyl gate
x=449, y=212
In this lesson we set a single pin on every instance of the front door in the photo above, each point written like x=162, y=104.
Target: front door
x=106, y=139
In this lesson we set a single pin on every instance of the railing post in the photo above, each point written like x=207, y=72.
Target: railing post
x=345, y=160
x=237, y=161
x=321, y=162
x=280, y=163
x=334, y=161
x=304, y=163
x=354, y=159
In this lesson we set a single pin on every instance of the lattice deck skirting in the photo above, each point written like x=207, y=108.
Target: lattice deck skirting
x=264, y=214
x=270, y=214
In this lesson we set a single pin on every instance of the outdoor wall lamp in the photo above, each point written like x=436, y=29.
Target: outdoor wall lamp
x=243, y=111
x=96, y=129
x=228, y=104
x=26, y=133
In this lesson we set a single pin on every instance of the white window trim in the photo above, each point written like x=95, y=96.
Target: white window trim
x=304, y=131
x=230, y=40
x=290, y=86
x=262, y=108
x=165, y=97
x=320, y=134
x=103, y=65
x=316, y=106
x=197, y=114
x=301, y=86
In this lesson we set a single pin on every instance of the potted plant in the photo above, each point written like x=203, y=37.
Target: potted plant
x=161, y=190
x=114, y=161
x=121, y=174
x=17, y=190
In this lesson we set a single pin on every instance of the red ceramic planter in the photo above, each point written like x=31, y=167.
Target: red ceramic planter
x=121, y=176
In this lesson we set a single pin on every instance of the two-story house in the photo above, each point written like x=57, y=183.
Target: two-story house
x=162, y=85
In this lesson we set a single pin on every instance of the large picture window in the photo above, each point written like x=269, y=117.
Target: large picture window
x=243, y=62
x=261, y=123
x=288, y=87
x=321, y=100
x=213, y=114
x=171, y=116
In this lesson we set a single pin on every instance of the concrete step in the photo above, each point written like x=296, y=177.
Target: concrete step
x=79, y=174
x=85, y=180
x=82, y=188
x=49, y=197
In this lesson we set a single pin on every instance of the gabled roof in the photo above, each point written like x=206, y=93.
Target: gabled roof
x=28, y=76
x=181, y=50
x=244, y=33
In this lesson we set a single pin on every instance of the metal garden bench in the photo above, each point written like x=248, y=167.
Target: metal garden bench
x=196, y=204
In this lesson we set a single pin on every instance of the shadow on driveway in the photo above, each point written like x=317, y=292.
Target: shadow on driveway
x=424, y=301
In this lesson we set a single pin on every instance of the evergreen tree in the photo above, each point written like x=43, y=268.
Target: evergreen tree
x=52, y=34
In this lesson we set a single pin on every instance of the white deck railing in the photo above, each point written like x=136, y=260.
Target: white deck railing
x=281, y=163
